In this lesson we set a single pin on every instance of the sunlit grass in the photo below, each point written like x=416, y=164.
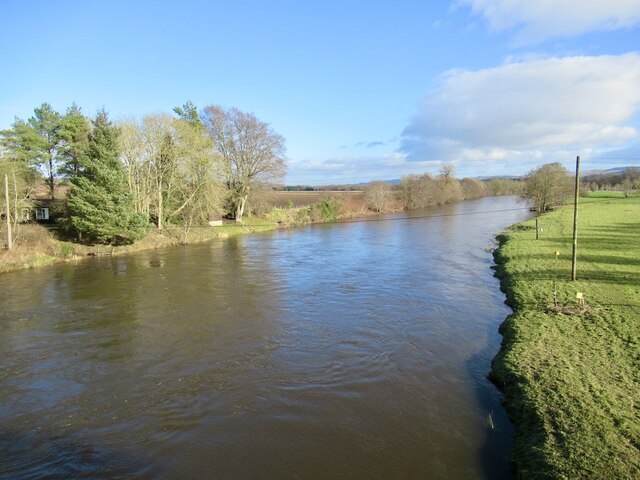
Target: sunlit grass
x=572, y=379
x=605, y=194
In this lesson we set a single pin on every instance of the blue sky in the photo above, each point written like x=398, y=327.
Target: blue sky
x=361, y=90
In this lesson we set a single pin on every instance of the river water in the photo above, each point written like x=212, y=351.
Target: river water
x=344, y=351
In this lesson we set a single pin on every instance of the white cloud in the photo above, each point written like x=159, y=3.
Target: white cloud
x=355, y=169
x=538, y=20
x=544, y=105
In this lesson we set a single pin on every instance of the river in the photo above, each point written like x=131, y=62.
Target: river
x=342, y=351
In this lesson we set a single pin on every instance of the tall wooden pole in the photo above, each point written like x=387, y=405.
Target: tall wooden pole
x=6, y=197
x=574, y=255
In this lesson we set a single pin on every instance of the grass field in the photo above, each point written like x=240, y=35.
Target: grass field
x=606, y=194
x=571, y=374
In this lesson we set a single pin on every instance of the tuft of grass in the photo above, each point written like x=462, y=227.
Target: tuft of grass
x=571, y=374
x=66, y=250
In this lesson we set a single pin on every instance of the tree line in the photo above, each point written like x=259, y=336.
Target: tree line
x=424, y=190
x=626, y=181
x=125, y=176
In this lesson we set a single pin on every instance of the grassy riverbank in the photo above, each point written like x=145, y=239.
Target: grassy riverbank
x=571, y=374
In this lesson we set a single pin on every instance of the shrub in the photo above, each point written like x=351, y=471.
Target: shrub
x=326, y=210
x=303, y=215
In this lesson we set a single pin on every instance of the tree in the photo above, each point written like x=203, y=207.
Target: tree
x=198, y=185
x=189, y=113
x=448, y=172
x=472, y=188
x=20, y=179
x=133, y=155
x=73, y=135
x=46, y=123
x=377, y=196
x=416, y=190
x=48, y=139
x=253, y=154
x=548, y=186
x=173, y=171
x=446, y=188
x=36, y=141
x=21, y=142
x=159, y=139
x=100, y=207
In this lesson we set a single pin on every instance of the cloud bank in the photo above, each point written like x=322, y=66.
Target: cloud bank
x=538, y=20
x=531, y=108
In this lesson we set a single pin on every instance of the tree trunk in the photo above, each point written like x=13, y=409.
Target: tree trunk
x=8, y=213
x=240, y=208
x=159, y=209
x=16, y=218
x=52, y=184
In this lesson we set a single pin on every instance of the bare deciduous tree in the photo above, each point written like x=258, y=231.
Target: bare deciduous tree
x=253, y=154
x=472, y=188
x=548, y=186
x=448, y=172
x=20, y=179
x=377, y=196
x=132, y=154
x=198, y=189
x=161, y=156
x=173, y=170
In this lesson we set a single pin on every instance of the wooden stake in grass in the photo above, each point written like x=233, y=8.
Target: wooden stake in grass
x=575, y=222
x=555, y=291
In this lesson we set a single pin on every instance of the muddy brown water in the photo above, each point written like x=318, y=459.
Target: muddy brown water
x=348, y=351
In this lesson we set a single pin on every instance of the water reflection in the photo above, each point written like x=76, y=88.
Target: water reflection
x=333, y=351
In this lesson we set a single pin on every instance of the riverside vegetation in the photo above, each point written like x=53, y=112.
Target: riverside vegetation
x=570, y=372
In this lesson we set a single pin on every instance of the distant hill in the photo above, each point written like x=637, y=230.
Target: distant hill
x=609, y=171
x=396, y=181
x=499, y=177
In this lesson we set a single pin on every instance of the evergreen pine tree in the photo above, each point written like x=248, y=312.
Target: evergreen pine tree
x=73, y=134
x=100, y=207
x=46, y=122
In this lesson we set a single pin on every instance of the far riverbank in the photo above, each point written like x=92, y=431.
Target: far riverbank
x=570, y=372
x=38, y=245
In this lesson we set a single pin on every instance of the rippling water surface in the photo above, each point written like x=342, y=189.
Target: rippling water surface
x=349, y=351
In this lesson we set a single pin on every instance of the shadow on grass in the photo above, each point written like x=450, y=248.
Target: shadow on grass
x=615, y=277
x=586, y=260
x=598, y=243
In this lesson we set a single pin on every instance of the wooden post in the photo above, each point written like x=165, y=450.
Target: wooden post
x=8, y=215
x=575, y=222
x=536, y=228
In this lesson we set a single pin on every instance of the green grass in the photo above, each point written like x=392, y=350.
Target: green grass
x=571, y=379
x=605, y=194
